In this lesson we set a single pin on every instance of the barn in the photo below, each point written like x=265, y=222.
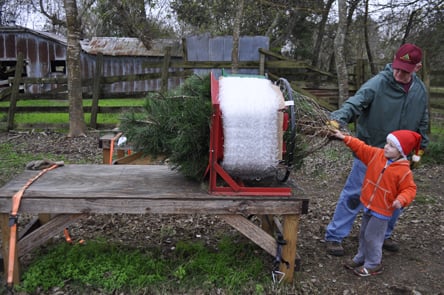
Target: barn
x=45, y=56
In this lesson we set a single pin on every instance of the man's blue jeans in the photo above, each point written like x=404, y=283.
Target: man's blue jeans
x=348, y=206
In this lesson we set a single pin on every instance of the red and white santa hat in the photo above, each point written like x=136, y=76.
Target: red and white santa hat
x=406, y=141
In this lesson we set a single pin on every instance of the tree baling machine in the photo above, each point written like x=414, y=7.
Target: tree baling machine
x=252, y=135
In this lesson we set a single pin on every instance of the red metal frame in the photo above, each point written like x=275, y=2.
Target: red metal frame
x=215, y=170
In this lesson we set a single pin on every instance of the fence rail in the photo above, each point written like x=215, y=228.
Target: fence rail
x=272, y=64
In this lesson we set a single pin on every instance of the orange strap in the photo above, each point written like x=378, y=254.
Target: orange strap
x=68, y=238
x=67, y=235
x=111, y=146
x=16, y=199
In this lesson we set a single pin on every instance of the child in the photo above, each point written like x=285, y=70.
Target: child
x=388, y=185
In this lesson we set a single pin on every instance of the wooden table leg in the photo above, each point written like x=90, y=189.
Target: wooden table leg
x=106, y=156
x=4, y=224
x=267, y=224
x=291, y=225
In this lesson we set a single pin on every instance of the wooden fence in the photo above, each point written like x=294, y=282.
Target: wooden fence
x=300, y=74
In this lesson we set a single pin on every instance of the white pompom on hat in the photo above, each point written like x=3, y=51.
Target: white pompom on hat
x=406, y=141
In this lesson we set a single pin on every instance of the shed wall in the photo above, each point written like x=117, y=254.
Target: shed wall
x=40, y=51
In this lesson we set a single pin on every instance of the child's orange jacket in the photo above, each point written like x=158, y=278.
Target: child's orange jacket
x=383, y=183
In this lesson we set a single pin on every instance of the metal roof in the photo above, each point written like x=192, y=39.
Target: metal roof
x=129, y=46
x=113, y=46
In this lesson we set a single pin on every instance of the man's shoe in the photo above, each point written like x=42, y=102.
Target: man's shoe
x=334, y=248
x=390, y=245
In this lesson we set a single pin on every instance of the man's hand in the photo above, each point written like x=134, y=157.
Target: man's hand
x=416, y=159
x=333, y=125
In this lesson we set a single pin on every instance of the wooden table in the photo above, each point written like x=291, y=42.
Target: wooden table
x=73, y=191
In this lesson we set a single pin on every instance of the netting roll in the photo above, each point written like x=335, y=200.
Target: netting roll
x=252, y=126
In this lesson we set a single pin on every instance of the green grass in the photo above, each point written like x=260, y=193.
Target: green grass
x=127, y=102
x=117, y=269
x=191, y=268
x=233, y=266
x=60, y=118
x=12, y=161
x=425, y=199
x=63, y=118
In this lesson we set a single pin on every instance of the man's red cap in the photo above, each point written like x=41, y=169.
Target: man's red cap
x=407, y=57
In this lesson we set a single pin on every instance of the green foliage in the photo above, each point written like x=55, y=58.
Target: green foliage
x=115, y=269
x=130, y=18
x=283, y=21
x=435, y=150
x=63, y=118
x=97, y=263
x=425, y=199
x=13, y=161
x=176, y=125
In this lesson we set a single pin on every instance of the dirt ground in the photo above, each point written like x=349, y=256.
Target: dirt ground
x=416, y=269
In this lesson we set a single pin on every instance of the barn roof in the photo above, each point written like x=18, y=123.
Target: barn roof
x=112, y=46
x=127, y=46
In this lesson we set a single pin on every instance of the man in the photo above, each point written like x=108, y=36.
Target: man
x=393, y=99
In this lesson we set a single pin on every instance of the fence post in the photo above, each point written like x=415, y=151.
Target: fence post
x=261, y=63
x=15, y=91
x=426, y=80
x=165, y=69
x=360, y=72
x=96, y=90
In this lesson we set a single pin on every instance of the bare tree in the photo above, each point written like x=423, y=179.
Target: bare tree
x=236, y=36
x=373, y=68
x=77, y=126
x=409, y=25
x=341, y=67
x=317, y=48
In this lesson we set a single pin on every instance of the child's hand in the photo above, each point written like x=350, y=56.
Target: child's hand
x=397, y=204
x=336, y=133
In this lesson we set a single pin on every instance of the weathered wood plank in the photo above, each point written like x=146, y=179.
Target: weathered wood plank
x=40, y=235
x=107, y=181
x=253, y=232
x=134, y=189
x=291, y=225
x=96, y=90
x=157, y=206
x=14, y=91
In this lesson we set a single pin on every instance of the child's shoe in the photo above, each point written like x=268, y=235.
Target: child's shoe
x=365, y=272
x=351, y=264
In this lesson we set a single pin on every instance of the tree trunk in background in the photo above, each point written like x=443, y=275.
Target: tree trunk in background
x=134, y=22
x=373, y=68
x=409, y=26
x=77, y=126
x=236, y=37
x=341, y=66
x=316, y=61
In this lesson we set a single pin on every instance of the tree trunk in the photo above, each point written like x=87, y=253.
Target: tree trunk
x=317, y=48
x=77, y=126
x=341, y=66
x=409, y=26
x=236, y=37
x=373, y=68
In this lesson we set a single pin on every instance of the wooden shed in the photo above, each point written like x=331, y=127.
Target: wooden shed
x=45, y=56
